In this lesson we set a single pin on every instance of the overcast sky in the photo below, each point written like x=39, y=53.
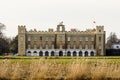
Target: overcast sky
x=44, y=14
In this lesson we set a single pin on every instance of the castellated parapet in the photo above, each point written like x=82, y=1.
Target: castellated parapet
x=61, y=42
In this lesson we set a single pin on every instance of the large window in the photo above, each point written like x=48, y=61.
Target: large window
x=52, y=38
x=80, y=46
x=92, y=38
x=68, y=38
x=41, y=38
x=35, y=46
x=74, y=38
x=86, y=46
x=35, y=38
x=60, y=46
x=40, y=46
x=92, y=46
x=68, y=46
x=74, y=46
x=52, y=46
x=29, y=38
x=81, y=38
x=29, y=47
x=86, y=38
x=46, y=38
x=99, y=38
x=46, y=46
x=60, y=38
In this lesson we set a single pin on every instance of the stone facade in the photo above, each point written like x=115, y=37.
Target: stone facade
x=61, y=42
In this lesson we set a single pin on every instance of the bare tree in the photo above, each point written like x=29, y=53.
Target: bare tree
x=111, y=40
x=2, y=27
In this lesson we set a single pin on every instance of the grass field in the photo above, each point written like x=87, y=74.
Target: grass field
x=59, y=68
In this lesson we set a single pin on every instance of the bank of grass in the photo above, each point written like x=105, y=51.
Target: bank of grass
x=59, y=68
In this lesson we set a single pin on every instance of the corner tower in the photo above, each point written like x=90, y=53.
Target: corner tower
x=21, y=40
x=100, y=40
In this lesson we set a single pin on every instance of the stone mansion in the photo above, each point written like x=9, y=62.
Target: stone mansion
x=61, y=42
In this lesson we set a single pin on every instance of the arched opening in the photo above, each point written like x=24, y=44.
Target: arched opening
x=35, y=52
x=80, y=53
x=86, y=53
x=52, y=53
x=68, y=53
x=74, y=53
x=29, y=51
x=92, y=53
x=40, y=53
x=46, y=53
x=60, y=53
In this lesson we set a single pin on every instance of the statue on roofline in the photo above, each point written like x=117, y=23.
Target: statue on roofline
x=61, y=23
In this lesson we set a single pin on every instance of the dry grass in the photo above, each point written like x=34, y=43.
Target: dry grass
x=43, y=69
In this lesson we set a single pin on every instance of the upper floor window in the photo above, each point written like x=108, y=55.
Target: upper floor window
x=60, y=38
x=60, y=46
x=35, y=46
x=74, y=38
x=86, y=46
x=35, y=38
x=21, y=38
x=29, y=38
x=52, y=46
x=92, y=46
x=46, y=38
x=40, y=46
x=99, y=30
x=86, y=38
x=100, y=47
x=99, y=38
x=29, y=47
x=81, y=38
x=92, y=38
x=80, y=46
x=52, y=38
x=41, y=38
x=68, y=46
x=68, y=38
x=46, y=46
x=74, y=46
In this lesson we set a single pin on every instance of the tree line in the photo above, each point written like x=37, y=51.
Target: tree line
x=7, y=45
x=10, y=45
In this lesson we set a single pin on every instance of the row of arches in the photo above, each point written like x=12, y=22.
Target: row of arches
x=68, y=53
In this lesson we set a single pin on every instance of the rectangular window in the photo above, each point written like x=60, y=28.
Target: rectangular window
x=80, y=46
x=74, y=38
x=99, y=38
x=92, y=38
x=35, y=38
x=81, y=38
x=29, y=38
x=46, y=46
x=100, y=47
x=60, y=46
x=35, y=46
x=86, y=38
x=52, y=46
x=52, y=38
x=46, y=38
x=68, y=39
x=40, y=46
x=60, y=38
x=92, y=46
x=68, y=46
x=86, y=46
x=41, y=38
x=74, y=47
x=29, y=47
